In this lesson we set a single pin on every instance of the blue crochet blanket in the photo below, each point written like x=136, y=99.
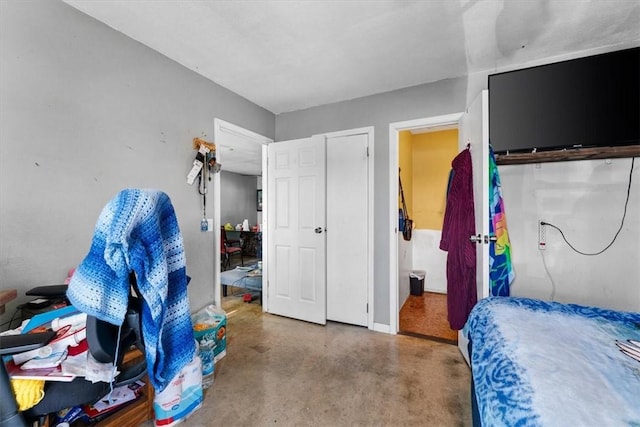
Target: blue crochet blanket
x=138, y=231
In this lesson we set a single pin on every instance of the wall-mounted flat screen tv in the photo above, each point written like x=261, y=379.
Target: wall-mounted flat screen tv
x=586, y=102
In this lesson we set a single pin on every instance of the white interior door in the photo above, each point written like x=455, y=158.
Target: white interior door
x=347, y=228
x=474, y=130
x=296, y=275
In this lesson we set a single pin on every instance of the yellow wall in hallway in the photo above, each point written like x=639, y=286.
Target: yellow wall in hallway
x=405, y=163
x=432, y=154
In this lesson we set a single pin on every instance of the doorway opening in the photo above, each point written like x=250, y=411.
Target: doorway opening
x=413, y=143
x=242, y=155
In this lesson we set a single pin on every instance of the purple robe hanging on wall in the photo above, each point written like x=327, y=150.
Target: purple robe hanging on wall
x=459, y=224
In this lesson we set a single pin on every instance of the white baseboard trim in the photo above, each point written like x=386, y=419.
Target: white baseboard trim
x=385, y=329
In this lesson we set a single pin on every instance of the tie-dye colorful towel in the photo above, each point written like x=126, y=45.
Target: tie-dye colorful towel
x=501, y=272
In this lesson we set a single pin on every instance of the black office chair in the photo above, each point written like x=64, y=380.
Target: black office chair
x=102, y=341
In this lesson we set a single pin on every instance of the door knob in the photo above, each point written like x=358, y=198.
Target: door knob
x=318, y=230
x=475, y=238
x=488, y=239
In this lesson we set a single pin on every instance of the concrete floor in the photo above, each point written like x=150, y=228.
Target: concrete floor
x=280, y=371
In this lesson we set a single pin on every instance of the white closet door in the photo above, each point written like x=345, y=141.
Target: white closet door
x=347, y=228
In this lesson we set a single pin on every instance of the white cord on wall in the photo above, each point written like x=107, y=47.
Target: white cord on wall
x=553, y=285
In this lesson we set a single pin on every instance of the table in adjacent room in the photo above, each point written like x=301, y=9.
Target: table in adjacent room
x=249, y=278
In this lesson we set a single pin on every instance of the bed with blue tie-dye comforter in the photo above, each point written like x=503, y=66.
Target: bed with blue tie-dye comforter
x=537, y=363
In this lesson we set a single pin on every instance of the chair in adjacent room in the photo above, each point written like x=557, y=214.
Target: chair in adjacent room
x=227, y=251
x=233, y=238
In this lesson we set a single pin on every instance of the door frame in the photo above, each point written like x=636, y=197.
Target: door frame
x=369, y=131
x=220, y=129
x=394, y=131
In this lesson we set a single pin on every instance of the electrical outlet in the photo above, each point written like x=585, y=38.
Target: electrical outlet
x=542, y=235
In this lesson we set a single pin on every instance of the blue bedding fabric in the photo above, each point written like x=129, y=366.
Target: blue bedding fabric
x=537, y=363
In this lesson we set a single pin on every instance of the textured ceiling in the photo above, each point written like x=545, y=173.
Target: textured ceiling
x=287, y=55
x=291, y=55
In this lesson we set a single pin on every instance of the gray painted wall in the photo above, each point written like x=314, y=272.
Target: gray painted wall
x=85, y=112
x=238, y=198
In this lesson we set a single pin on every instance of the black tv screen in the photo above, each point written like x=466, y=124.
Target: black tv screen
x=586, y=102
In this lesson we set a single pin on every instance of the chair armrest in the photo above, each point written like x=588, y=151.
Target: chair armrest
x=11, y=344
x=51, y=291
x=131, y=374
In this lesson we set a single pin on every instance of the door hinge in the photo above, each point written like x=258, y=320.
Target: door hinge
x=367, y=307
x=367, y=151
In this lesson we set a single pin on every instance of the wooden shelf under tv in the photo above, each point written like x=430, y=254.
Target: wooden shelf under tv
x=569, y=154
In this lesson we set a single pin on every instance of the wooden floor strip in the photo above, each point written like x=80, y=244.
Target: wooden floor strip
x=426, y=317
